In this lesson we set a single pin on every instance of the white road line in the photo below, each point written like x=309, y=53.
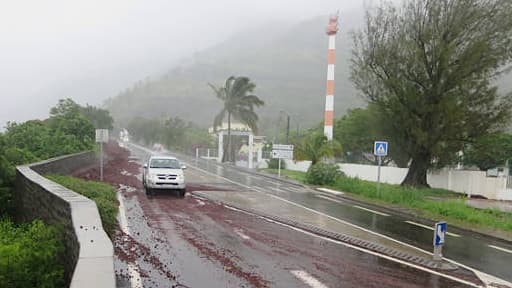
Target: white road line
x=487, y=278
x=328, y=198
x=240, y=233
x=135, y=279
x=259, y=189
x=370, y=210
x=500, y=248
x=308, y=279
x=349, y=224
x=363, y=249
x=330, y=191
x=430, y=228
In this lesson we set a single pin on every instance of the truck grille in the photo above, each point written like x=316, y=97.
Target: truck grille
x=166, y=176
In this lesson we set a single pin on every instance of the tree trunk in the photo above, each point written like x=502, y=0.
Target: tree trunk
x=417, y=174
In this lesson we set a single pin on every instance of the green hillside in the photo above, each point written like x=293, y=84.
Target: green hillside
x=287, y=62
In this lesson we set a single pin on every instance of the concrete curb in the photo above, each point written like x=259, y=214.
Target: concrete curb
x=396, y=212
x=429, y=263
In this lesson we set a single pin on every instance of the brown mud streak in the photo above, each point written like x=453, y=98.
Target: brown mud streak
x=127, y=249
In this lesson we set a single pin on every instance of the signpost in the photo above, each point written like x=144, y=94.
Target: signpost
x=380, y=149
x=101, y=137
x=280, y=151
x=439, y=239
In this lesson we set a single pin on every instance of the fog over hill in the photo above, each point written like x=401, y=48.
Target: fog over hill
x=287, y=61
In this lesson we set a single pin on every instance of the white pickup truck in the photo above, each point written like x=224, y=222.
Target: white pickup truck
x=164, y=173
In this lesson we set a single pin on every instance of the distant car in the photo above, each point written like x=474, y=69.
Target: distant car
x=164, y=173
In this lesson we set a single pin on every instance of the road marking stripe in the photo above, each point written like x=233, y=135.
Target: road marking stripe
x=296, y=189
x=485, y=277
x=330, y=191
x=425, y=269
x=370, y=210
x=308, y=279
x=259, y=189
x=349, y=224
x=242, y=235
x=330, y=199
x=135, y=279
x=430, y=228
x=500, y=248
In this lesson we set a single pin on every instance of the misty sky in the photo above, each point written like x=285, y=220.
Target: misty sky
x=90, y=50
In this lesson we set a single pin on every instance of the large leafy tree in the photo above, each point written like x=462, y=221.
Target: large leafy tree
x=357, y=131
x=429, y=66
x=239, y=103
x=490, y=151
x=100, y=118
x=70, y=126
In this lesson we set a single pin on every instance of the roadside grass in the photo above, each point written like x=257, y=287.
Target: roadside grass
x=436, y=204
x=294, y=175
x=101, y=193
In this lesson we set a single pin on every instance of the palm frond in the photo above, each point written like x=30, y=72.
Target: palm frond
x=238, y=100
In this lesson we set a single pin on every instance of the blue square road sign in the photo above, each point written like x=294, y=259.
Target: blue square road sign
x=380, y=148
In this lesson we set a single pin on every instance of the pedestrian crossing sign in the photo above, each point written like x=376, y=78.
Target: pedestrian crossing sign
x=380, y=148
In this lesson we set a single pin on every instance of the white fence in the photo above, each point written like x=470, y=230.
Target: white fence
x=462, y=181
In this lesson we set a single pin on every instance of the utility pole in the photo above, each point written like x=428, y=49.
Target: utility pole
x=332, y=29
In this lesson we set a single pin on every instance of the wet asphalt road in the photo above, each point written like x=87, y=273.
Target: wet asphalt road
x=192, y=242
x=484, y=254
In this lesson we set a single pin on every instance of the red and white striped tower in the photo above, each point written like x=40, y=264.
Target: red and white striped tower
x=332, y=29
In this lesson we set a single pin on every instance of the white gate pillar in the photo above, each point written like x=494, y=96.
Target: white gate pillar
x=221, y=147
x=251, y=140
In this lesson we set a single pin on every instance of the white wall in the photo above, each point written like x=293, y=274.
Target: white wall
x=462, y=181
x=470, y=182
x=391, y=175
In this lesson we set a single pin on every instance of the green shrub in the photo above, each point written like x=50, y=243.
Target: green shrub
x=274, y=164
x=101, y=193
x=29, y=255
x=6, y=205
x=323, y=174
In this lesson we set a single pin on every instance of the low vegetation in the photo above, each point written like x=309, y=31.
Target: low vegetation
x=428, y=202
x=438, y=204
x=274, y=164
x=323, y=174
x=29, y=255
x=29, y=252
x=101, y=193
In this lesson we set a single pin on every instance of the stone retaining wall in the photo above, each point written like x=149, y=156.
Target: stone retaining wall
x=89, y=252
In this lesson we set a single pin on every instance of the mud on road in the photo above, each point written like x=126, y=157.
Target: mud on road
x=192, y=242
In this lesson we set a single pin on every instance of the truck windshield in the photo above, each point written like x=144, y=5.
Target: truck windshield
x=165, y=163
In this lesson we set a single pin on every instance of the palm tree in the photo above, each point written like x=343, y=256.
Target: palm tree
x=315, y=147
x=239, y=103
